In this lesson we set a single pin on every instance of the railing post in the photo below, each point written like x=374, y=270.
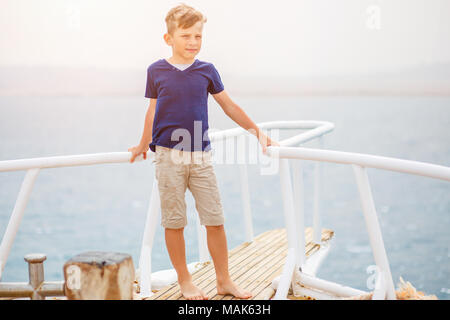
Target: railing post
x=203, y=253
x=286, y=276
x=288, y=206
x=245, y=193
x=297, y=177
x=145, y=259
x=36, y=273
x=373, y=229
x=16, y=216
x=243, y=176
x=317, y=223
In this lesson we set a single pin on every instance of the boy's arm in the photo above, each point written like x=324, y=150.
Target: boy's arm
x=238, y=115
x=143, y=145
x=148, y=125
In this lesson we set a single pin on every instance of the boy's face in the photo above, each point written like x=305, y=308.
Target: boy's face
x=186, y=43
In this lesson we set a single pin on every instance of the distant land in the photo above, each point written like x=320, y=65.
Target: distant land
x=426, y=79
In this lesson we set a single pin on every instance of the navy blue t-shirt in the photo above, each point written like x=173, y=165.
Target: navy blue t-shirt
x=181, y=115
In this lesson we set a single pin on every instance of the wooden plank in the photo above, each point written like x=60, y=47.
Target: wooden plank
x=170, y=289
x=267, y=274
x=257, y=276
x=256, y=259
x=257, y=263
x=252, y=265
x=308, y=234
x=274, y=272
x=208, y=270
x=264, y=289
x=265, y=279
x=236, y=261
x=265, y=292
x=267, y=271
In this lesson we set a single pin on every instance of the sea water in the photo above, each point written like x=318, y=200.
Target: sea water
x=104, y=207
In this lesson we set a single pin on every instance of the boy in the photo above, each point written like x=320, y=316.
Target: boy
x=178, y=89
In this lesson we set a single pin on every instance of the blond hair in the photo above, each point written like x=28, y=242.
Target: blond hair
x=183, y=16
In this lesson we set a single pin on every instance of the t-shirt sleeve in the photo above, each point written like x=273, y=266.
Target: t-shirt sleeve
x=150, y=89
x=215, y=83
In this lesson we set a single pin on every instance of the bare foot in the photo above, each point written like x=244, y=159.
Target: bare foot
x=229, y=287
x=191, y=292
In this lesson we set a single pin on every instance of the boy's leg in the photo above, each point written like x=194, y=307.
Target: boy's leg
x=171, y=177
x=217, y=245
x=203, y=185
x=176, y=248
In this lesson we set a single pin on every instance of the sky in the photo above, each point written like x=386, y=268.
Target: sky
x=281, y=38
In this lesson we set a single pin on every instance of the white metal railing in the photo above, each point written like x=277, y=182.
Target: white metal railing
x=384, y=286
x=34, y=165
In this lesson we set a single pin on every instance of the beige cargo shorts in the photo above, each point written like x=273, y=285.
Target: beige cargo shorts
x=178, y=170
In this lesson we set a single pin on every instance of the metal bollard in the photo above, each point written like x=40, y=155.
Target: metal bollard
x=36, y=273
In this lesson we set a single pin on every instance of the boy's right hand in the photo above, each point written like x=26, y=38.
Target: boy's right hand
x=137, y=150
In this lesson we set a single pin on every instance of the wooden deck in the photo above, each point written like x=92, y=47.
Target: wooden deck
x=252, y=265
